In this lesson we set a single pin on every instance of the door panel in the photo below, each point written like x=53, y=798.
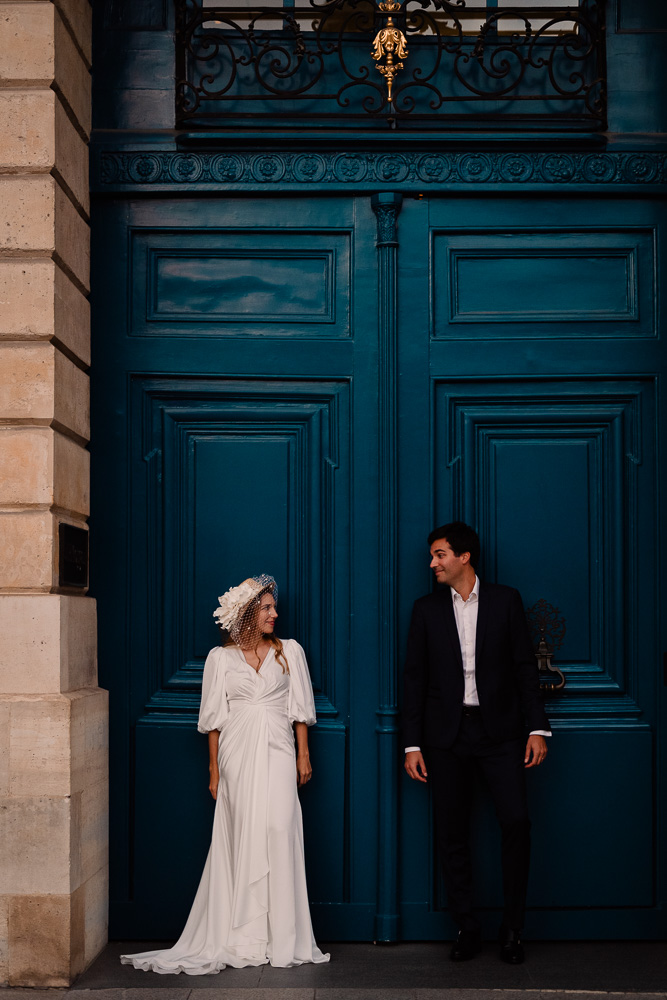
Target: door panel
x=235, y=282
x=544, y=283
x=225, y=449
x=539, y=388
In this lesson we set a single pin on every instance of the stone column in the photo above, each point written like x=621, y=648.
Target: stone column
x=53, y=717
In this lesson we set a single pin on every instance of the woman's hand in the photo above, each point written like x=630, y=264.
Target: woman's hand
x=213, y=769
x=304, y=771
x=214, y=780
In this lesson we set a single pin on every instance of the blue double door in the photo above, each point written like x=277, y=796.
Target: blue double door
x=240, y=372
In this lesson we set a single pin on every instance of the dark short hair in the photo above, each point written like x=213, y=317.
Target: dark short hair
x=461, y=538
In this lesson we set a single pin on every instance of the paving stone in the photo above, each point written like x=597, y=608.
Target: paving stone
x=256, y=993
x=153, y=992
x=27, y=993
x=364, y=994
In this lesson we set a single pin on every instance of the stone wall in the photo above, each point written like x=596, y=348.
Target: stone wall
x=53, y=717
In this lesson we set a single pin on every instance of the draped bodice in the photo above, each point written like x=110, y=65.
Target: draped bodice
x=267, y=687
x=231, y=686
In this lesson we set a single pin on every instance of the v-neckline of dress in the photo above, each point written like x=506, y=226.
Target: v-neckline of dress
x=256, y=670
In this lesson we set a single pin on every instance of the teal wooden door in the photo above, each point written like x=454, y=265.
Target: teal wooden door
x=236, y=424
x=260, y=406
x=531, y=370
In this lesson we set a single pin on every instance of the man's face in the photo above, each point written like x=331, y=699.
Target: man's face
x=447, y=567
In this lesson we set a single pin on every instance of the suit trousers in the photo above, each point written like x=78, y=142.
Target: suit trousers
x=452, y=776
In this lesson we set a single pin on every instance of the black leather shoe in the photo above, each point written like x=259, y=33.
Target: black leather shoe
x=511, y=948
x=466, y=946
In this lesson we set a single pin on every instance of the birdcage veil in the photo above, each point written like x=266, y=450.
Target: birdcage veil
x=239, y=607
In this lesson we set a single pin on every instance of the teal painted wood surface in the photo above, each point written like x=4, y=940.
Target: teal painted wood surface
x=226, y=443
x=274, y=391
x=544, y=435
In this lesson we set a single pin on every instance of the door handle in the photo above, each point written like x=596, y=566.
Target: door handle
x=545, y=620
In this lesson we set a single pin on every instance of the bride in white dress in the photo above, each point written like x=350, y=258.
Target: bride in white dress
x=251, y=906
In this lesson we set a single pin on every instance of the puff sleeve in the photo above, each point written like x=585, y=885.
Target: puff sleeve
x=213, y=710
x=301, y=706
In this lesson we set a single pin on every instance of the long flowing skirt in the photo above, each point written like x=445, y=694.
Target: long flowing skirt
x=251, y=906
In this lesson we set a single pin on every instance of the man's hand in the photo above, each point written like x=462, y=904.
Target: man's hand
x=536, y=750
x=415, y=766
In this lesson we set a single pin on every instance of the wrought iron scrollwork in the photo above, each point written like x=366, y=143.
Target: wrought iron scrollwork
x=312, y=62
x=546, y=622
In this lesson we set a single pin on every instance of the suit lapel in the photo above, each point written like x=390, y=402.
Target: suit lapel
x=450, y=625
x=482, y=618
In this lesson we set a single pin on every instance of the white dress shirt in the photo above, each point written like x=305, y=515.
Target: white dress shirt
x=465, y=613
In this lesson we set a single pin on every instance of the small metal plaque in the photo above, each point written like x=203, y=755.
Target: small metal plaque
x=136, y=15
x=73, y=569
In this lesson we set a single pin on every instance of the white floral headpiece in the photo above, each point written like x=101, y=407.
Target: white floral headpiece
x=236, y=599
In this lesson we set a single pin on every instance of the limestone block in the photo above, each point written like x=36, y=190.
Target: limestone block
x=92, y=836
x=38, y=383
x=26, y=465
x=28, y=128
x=72, y=75
x=46, y=934
x=26, y=381
x=27, y=42
x=4, y=940
x=71, y=157
x=96, y=909
x=71, y=406
x=35, y=837
x=4, y=747
x=38, y=300
x=71, y=476
x=72, y=317
x=27, y=298
x=78, y=644
x=27, y=211
x=27, y=549
x=39, y=135
x=30, y=655
x=49, y=643
x=36, y=214
x=72, y=238
x=89, y=738
x=39, y=746
x=79, y=17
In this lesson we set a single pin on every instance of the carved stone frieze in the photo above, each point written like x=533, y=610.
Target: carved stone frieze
x=121, y=169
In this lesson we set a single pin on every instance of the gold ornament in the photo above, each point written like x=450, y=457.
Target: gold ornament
x=391, y=45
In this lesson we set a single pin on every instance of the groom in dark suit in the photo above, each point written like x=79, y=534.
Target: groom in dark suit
x=471, y=696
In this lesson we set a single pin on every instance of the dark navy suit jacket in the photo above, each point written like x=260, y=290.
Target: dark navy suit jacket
x=506, y=671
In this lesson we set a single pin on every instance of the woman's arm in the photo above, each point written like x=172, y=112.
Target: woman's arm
x=304, y=771
x=214, y=773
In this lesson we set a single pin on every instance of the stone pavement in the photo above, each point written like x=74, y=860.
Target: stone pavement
x=408, y=971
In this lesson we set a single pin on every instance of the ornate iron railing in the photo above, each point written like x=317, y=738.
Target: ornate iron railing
x=410, y=64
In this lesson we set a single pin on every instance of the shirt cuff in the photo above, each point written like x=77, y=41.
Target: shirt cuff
x=410, y=749
x=540, y=732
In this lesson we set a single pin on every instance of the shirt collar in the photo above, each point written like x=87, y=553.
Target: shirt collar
x=475, y=591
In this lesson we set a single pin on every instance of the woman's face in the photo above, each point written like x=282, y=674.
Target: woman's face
x=267, y=614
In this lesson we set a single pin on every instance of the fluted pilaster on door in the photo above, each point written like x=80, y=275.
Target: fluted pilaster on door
x=387, y=206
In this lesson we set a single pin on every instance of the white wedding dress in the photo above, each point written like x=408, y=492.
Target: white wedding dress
x=252, y=905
